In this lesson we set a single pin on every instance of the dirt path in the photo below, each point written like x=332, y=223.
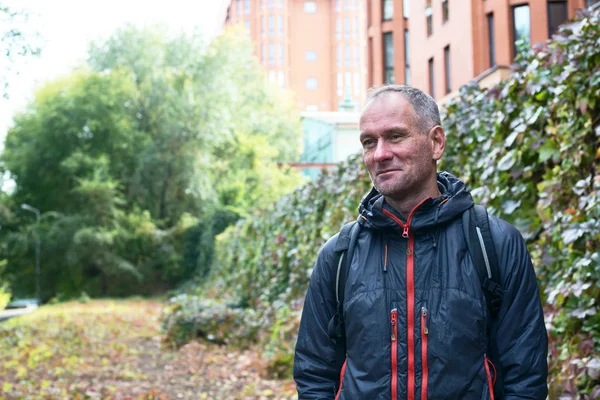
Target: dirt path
x=113, y=350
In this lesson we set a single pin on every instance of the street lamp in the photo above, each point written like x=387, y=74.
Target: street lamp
x=37, y=248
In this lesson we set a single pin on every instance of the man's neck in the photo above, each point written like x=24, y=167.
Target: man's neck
x=407, y=204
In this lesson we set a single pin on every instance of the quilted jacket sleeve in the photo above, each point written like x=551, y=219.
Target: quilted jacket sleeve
x=521, y=333
x=315, y=369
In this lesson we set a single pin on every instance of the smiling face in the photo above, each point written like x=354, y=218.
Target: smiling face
x=399, y=153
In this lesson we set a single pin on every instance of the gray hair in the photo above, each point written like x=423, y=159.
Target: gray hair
x=428, y=113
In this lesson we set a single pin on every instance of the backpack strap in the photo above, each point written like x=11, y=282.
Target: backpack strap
x=344, y=249
x=476, y=225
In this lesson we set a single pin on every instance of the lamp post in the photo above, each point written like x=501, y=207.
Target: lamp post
x=37, y=249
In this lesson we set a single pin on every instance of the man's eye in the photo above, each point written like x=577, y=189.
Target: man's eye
x=396, y=137
x=368, y=143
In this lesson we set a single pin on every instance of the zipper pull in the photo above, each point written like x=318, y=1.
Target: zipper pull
x=424, y=320
x=393, y=322
x=405, y=232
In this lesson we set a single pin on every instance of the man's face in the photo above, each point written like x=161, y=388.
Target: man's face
x=400, y=156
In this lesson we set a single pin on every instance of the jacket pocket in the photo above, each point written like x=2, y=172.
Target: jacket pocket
x=491, y=377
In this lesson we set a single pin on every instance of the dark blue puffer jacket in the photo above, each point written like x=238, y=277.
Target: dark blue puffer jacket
x=415, y=315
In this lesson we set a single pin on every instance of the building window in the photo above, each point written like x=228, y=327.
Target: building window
x=356, y=84
x=312, y=84
x=557, y=15
x=263, y=4
x=262, y=26
x=340, y=84
x=271, y=25
x=271, y=4
x=346, y=28
x=310, y=7
x=356, y=28
x=491, y=39
x=445, y=10
x=280, y=20
x=406, y=8
x=431, y=78
x=247, y=7
x=280, y=4
x=348, y=84
x=521, y=26
x=370, y=70
x=388, y=9
x=589, y=3
x=280, y=79
x=271, y=53
x=407, y=57
x=447, y=71
x=356, y=5
x=239, y=7
x=281, y=54
x=263, y=54
x=337, y=5
x=338, y=29
x=356, y=56
x=310, y=55
x=429, y=17
x=247, y=27
x=338, y=55
x=272, y=76
x=348, y=56
x=388, y=55
x=346, y=5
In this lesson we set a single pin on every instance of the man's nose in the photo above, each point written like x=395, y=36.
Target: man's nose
x=382, y=151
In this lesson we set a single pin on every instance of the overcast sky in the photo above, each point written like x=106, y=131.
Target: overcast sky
x=68, y=26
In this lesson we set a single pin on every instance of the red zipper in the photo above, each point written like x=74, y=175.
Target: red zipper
x=410, y=295
x=342, y=372
x=394, y=323
x=425, y=367
x=489, y=376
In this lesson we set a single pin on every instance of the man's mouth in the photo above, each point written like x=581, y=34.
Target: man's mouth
x=385, y=171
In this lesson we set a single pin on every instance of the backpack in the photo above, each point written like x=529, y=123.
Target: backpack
x=476, y=227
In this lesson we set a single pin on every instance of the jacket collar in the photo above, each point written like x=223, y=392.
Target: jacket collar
x=454, y=200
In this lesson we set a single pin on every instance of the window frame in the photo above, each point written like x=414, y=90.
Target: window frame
x=388, y=62
x=384, y=16
x=431, y=73
x=514, y=27
x=565, y=5
x=447, y=70
x=491, y=39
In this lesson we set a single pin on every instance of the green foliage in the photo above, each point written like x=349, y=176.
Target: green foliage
x=139, y=159
x=529, y=149
x=192, y=317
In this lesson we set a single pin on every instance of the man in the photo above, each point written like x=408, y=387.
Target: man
x=415, y=316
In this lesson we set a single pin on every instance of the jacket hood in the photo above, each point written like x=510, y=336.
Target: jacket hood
x=433, y=212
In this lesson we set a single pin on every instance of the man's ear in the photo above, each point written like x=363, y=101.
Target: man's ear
x=438, y=142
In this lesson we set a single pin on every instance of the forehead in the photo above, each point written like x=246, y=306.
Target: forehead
x=386, y=111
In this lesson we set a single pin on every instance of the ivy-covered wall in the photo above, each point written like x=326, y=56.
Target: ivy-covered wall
x=528, y=148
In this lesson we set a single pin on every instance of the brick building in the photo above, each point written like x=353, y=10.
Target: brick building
x=315, y=48
x=440, y=45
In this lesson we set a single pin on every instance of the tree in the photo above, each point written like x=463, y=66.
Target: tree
x=138, y=160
